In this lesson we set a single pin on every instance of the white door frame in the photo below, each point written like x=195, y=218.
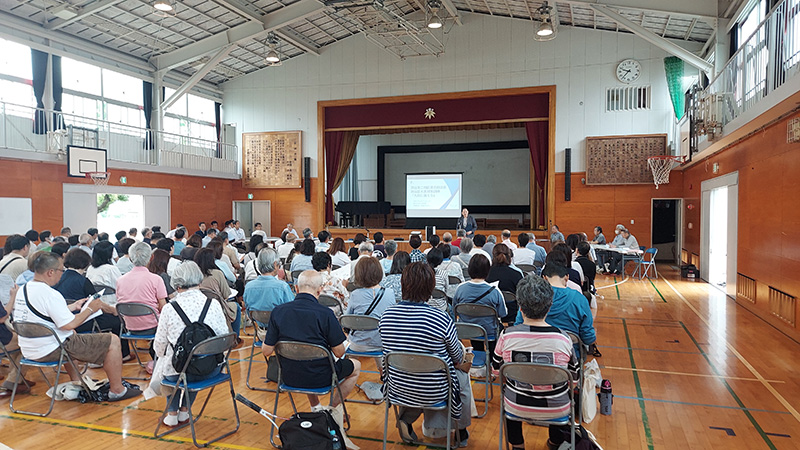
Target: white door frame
x=678, y=225
x=267, y=227
x=730, y=180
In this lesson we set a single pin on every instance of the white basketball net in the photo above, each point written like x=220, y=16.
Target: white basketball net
x=661, y=168
x=100, y=178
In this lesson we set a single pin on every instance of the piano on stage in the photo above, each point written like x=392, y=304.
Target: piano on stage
x=353, y=212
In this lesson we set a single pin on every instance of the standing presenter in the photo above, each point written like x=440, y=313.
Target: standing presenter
x=467, y=223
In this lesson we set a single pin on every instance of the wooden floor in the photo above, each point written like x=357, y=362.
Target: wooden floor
x=689, y=368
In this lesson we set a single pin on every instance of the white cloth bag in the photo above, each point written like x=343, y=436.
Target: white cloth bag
x=591, y=380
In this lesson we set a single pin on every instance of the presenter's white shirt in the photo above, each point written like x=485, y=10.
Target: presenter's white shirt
x=523, y=256
x=50, y=303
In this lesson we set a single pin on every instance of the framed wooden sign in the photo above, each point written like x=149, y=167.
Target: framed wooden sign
x=272, y=159
x=622, y=159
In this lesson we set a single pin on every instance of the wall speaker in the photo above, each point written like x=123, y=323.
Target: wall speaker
x=567, y=174
x=307, y=177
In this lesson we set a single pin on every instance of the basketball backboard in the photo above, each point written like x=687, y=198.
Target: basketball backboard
x=82, y=160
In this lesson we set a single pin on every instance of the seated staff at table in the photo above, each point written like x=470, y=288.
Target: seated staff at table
x=629, y=242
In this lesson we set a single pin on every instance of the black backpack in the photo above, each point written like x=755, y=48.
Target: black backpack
x=311, y=431
x=193, y=334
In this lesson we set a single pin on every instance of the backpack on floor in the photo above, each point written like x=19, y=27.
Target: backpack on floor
x=193, y=334
x=311, y=431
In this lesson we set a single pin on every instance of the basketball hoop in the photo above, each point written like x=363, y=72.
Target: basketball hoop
x=99, y=178
x=661, y=166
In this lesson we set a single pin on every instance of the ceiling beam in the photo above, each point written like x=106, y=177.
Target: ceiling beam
x=452, y=10
x=197, y=76
x=84, y=12
x=249, y=30
x=655, y=39
x=657, y=7
x=298, y=41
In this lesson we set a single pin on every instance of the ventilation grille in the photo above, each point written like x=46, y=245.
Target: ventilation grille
x=793, y=131
x=782, y=305
x=628, y=98
x=746, y=288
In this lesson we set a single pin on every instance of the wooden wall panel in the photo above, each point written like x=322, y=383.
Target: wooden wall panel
x=768, y=247
x=609, y=205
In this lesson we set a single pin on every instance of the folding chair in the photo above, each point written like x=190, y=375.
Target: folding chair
x=37, y=330
x=632, y=257
x=481, y=358
x=301, y=351
x=511, y=306
x=257, y=317
x=6, y=353
x=131, y=309
x=411, y=362
x=526, y=268
x=451, y=280
x=647, y=263
x=582, y=354
x=465, y=272
x=223, y=343
x=539, y=375
x=360, y=322
x=331, y=302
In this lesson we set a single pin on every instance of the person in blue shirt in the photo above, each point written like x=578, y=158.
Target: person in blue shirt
x=179, y=244
x=570, y=310
x=478, y=291
x=267, y=291
x=556, y=235
x=541, y=253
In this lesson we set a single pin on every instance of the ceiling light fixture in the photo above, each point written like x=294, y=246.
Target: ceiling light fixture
x=547, y=18
x=273, y=58
x=163, y=5
x=434, y=21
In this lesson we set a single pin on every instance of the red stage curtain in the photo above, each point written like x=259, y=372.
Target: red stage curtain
x=538, y=141
x=340, y=147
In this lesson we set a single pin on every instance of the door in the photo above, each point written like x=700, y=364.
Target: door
x=665, y=230
x=249, y=213
x=719, y=229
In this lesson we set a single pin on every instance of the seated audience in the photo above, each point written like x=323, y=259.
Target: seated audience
x=303, y=260
x=479, y=243
x=379, y=246
x=289, y=230
x=599, y=237
x=365, y=250
x=103, y=272
x=390, y=248
x=193, y=244
x=124, y=263
x=535, y=339
x=147, y=235
x=463, y=258
x=488, y=247
x=10, y=341
x=448, y=269
x=628, y=242
x=201, y=230
x=540, y=252
x=16, y=253
x=210, y=234
x=392, y=279
x=179, y=244
x=267, y=291
x=191, y=301
x=159, y=261
x=371, y=300
x=588, y=266
x=214, y=283
x=460, y=234
x=434, y=242
x=324, y=237
x=447, y=238
x=256, y=244
x=507, y=276
x=478, y=291
x=434, y=260
x=357, y=241
x=305, y=320
x=575, y=269
x=414, y=326
x=287, y=246
x=166, y=245
x=339, y=257
x=231, y=253
x=414, y=242
x=523, y=255
x=221, y=261
x=555, y=235
x=95, y=348
x=331, y=284
x=506, y=235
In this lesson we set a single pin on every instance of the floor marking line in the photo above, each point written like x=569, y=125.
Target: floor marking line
x=649, y=350
x=738, y=355
x=645, y=422
x=703, y=375
x=616, y=285
x=120, y=431
x=736, y=398
x=700, y=404
x=659, y=292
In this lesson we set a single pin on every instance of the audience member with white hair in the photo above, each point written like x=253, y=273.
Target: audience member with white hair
x=186, y=280
x=365, y=250
x=266, y=291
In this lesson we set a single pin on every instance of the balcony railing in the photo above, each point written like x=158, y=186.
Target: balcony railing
x=763, y=63
x=122, y=142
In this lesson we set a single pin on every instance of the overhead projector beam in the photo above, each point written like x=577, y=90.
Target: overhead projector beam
x=655, y=39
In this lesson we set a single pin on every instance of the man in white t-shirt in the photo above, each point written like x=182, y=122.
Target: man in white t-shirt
x=522, y=255
x=507, y=240
x=38, y=302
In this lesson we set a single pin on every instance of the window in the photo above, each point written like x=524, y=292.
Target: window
x=15, y=79
x=192, y=116
x=15, y=60
x=81, y=77
x=123, y=88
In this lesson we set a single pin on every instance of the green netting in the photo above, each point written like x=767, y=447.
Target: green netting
x=673, y=67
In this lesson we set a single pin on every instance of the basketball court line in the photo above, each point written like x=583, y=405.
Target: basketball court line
x=736, y=353
x=700, y=404
x=645, y=421
x=702, y=375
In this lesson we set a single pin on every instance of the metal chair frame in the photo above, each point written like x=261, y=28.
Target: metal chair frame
x=509, y=297
x=37, y=330
x=417, y=363
x=652, y=251
x=302, y=351
x=134, y=309
x=223, y=343
x=467, y=330
x=536, y=374
x=582, y=355
x=526, y=268
x=331, y=302
x=257, y=317
x=360, y=322
x=632, y=257
x=6, y=353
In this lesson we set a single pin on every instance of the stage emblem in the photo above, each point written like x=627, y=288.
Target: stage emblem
x=430, y=113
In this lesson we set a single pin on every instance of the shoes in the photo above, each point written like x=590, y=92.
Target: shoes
x=607, y=267
x=183, y=416
x=21, y=389
x=407, y=434
x=594, y=351
x=463, y=438
x=127, y=358
x=129, y=393
x=171, y=420
x=552, y=446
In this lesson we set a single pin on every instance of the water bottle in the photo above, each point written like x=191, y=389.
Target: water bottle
x=606, y=398
x=336, y=444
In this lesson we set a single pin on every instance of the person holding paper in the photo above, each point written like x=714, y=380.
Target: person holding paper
x=467, y=223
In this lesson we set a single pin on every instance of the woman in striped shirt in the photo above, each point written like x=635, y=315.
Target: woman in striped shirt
x=535, y=341
x=414, y=326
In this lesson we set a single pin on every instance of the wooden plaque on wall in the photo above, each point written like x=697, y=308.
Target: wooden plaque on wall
x=272, y=159
x=622, y=159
